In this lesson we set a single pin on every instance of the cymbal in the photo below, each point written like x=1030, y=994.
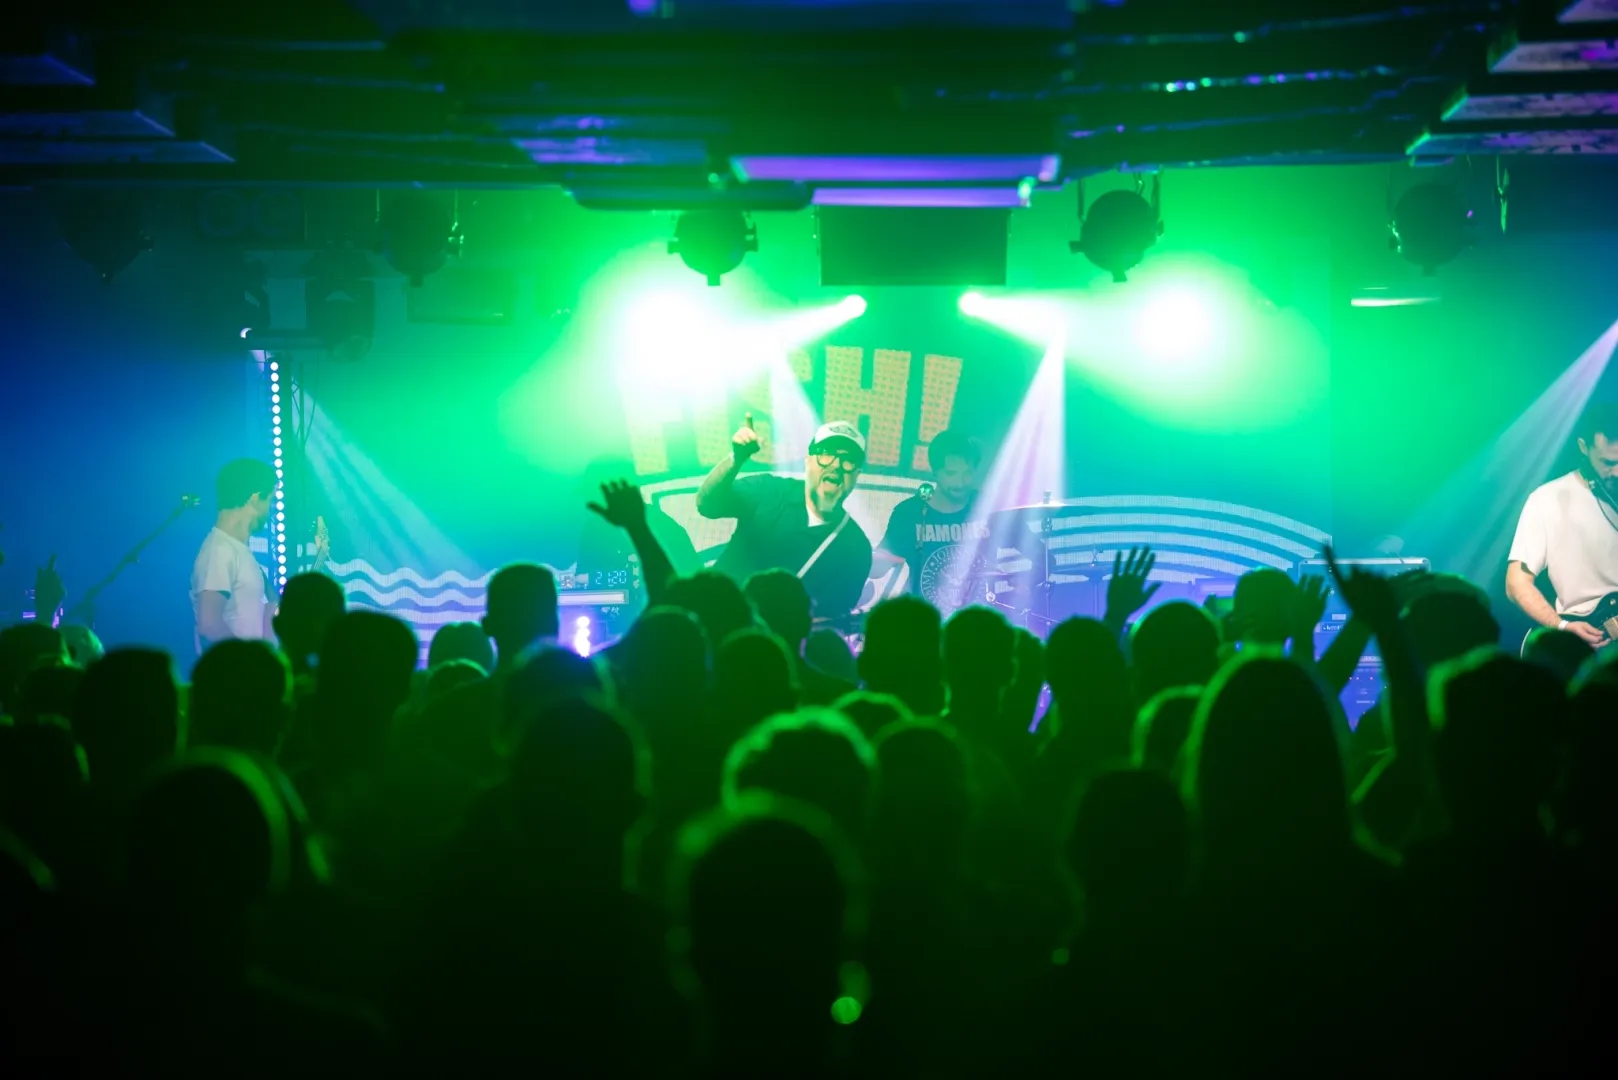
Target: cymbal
x=1032, y=506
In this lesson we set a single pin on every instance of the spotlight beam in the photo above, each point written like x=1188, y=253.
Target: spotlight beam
x=1473, y=515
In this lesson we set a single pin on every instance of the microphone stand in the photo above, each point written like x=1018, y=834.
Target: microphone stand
x=85, y=608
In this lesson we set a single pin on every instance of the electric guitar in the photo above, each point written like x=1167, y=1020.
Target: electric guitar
x=322, y=546
x=318, y=553
x=1604, y=618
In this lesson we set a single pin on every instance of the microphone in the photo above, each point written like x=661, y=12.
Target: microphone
x=190, y=501
x=926, y=492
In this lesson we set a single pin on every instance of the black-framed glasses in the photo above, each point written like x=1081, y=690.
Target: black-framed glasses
x=849, y=459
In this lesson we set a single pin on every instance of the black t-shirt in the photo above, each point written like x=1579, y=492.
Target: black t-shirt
x=942, y=550
x=773, y=532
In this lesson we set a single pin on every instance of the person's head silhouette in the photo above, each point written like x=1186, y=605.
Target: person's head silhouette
x=754, y=679
x=544, y=679
x=815, y=756
x=310, y=603
x=1560, y=652
x=128, y=715
x=1264, y=607
x=664, y=663
x=783, y=605
x=83, y=647
x=209, y=841
x=1446, y=623
x=241, y=697
x=980, y=661
x=927, y=803
x=718, y=603
x=522, y=609
x=1176, y=644
x=1095, y=705
x=872, y=713
x=24, y=647
x=1264, y=776
x=461, y=641
x=367, y=663
x=1162, y=728
x=769, y=912
x=828, y=650
x=904, y=653
x=49, y=691
x=1499, y=722
x=580, y=778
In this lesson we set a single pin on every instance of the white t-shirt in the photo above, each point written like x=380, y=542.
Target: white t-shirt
x=1565, y=531
x=226, y=565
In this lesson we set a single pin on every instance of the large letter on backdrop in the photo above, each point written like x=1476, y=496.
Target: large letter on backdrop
x=940, y=378
x=847, y=397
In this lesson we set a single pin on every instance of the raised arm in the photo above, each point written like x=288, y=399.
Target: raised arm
x=1128, y=591
x=623, y=505
x=1372, y=598
x=714, y=496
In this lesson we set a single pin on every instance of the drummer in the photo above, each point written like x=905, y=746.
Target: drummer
x=933, y=533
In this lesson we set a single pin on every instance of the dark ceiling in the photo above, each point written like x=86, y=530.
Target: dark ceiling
x=673, y=104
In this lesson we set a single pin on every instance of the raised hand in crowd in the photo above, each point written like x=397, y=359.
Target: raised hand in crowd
x=623, y=505
x=1128, y=590
x=1309, y=607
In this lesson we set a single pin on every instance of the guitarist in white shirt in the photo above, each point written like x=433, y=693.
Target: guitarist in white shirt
x=1569, y=529
x=229, y=594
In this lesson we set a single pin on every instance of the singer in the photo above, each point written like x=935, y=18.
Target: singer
x=800, y=526
x=932, y=532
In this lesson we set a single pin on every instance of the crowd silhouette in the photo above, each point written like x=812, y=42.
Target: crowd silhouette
x=726, y=846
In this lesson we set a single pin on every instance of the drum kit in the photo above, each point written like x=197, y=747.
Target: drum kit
x=1020, y=592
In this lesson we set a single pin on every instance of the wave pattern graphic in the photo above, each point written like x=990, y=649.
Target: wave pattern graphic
x=425, y=603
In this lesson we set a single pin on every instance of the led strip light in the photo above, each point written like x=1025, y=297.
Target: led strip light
x=278, y=527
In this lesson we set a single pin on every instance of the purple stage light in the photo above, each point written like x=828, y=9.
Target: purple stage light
x=961, y=169
x=932, y=197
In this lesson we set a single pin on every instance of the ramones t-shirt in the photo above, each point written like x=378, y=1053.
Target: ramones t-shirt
x=773, y=531
x=942, y=550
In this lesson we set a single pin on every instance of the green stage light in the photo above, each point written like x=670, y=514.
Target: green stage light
x=1177, y=324
x=1036, y=319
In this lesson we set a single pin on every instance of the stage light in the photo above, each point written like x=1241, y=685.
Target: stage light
x=107, y=229
x=1429, y=226
x=796, y=329
x=581, y=635
x=416, y=233
x=1119, y=227
x=1035, y=319
x=1176, y=324
x=713, y=242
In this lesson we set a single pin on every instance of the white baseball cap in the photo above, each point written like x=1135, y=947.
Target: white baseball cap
x=839, y=429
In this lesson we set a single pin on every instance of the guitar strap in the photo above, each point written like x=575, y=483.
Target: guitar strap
x=824, y=544
x=1609, y=509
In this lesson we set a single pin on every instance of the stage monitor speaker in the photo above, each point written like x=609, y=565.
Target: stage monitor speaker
x=862, y=246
